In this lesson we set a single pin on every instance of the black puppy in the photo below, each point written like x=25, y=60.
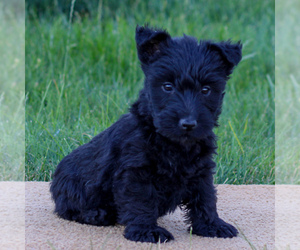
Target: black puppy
x=160, y=154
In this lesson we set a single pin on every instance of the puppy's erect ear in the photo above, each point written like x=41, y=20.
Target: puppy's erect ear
x=230, y=52
x=149, y=43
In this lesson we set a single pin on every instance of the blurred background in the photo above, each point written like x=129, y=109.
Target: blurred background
x=287, y=92
x=12, y=90
x=82, y=73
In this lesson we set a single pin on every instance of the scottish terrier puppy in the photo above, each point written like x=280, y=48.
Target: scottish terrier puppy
x=159, y=155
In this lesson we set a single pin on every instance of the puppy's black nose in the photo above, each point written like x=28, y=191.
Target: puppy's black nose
x=187, y=124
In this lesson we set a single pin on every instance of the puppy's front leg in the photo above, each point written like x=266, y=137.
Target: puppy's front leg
x=137, y=205
x=202, y=210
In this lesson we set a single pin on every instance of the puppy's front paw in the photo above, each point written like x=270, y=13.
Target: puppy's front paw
x=144, y=233
x=218, y=228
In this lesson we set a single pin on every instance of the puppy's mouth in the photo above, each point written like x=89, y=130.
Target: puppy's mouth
x=191, y=135
x=184, y=138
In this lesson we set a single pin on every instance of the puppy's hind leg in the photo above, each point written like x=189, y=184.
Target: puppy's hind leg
x=72, y=203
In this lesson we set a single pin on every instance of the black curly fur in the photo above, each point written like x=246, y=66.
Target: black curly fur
x=147, y=163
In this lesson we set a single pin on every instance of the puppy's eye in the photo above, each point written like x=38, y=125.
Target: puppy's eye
x=205, y=90
x=167, y=87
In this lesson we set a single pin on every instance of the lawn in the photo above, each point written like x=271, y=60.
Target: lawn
x=81, y=75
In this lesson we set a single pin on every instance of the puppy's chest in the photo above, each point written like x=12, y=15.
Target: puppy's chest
x=177, y=164
x=172, y=180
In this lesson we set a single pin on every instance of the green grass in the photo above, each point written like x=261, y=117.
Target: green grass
x=80, y=78
x=287, y=92
x=12, y=93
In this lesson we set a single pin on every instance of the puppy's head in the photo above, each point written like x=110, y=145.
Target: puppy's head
x=184, y=81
